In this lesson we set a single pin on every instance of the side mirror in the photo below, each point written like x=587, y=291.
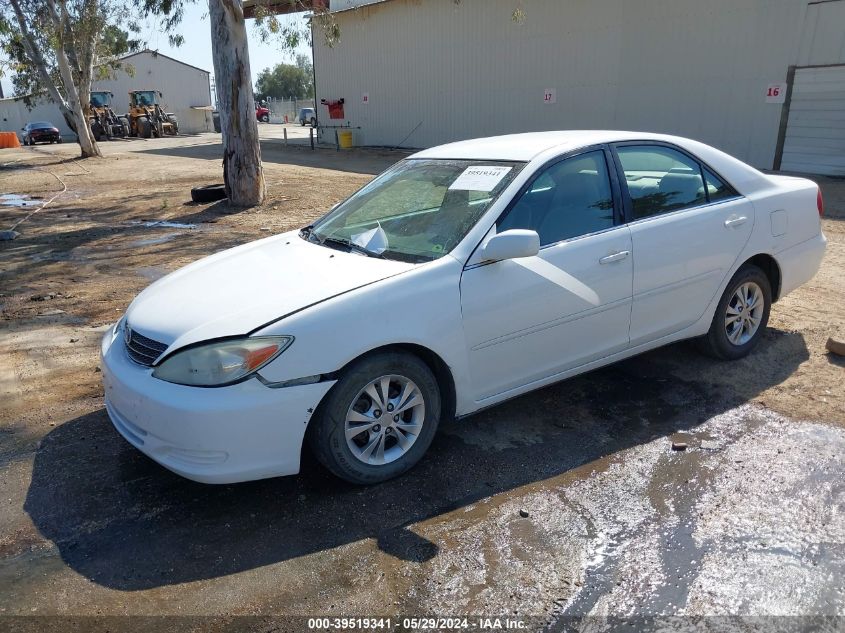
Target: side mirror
x=511, y=245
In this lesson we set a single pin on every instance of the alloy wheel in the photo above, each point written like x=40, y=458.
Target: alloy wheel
x=744, y=313
x=384, y=420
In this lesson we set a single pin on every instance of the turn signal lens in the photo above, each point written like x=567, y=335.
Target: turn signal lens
x=820, y=202
x=222, y=363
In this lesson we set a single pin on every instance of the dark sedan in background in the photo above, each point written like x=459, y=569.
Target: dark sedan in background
x=41, y=132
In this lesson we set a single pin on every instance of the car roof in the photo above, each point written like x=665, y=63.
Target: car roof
x=524, y=147
x=530, y=145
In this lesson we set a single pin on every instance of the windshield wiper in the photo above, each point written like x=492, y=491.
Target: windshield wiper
x=337, y=242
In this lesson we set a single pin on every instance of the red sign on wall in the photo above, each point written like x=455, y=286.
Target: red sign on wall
x=335, y=108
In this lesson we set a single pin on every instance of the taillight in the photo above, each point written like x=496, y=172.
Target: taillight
x=820, y=203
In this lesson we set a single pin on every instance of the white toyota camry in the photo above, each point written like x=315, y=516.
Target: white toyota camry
x=462, y=276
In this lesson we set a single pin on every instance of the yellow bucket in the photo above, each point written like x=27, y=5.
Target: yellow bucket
x=344, y=139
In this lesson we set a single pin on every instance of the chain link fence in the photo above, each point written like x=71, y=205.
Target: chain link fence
x=281, y=108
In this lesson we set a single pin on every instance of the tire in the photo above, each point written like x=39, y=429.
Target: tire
x=145, y=128
x=265, y=118
x=124, y=122
x=60, y=140
x=327, y=431
x=208, y=193
x=97, y=132
x=736, y=340
x=302, y=122
x=313, y=122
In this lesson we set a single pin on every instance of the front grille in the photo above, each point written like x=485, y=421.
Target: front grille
x=141, y=349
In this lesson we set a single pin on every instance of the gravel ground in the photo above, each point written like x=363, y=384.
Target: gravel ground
x=566, y=502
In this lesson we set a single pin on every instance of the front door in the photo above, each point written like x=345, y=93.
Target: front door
x=531, y=318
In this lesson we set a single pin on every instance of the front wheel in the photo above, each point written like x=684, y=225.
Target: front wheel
x=265, y=118
x=741, y=316
x=378, y=420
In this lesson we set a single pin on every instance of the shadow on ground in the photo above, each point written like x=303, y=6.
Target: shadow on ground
x=358, y=161
x=124, y=522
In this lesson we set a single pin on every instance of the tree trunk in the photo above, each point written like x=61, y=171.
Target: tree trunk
x=242, y=170
x=74, y=102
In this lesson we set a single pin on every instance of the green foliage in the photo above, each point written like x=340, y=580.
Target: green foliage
x=102, y=23
x=286, y=80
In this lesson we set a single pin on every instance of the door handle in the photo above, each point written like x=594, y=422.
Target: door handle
x=735, y=221
x=614, y=257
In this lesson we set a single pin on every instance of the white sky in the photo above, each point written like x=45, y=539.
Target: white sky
x=197, y=47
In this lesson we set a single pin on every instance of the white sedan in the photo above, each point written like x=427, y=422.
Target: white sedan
x=462, y=276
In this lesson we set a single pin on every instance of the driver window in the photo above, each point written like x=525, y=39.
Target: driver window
x=569, y=199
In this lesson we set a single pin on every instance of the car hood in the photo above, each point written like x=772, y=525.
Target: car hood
x=237, y=291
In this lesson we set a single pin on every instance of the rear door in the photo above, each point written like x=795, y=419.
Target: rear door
x=688, y=226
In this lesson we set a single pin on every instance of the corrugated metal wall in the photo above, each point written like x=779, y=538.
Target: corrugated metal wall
x=698, y=69
x=182, y=86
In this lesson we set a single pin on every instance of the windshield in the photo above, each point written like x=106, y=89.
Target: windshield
x=147, y=97
x=418, y=210
x=99, y=99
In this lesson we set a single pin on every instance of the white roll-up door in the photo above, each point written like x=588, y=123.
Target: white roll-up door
x=815, y=131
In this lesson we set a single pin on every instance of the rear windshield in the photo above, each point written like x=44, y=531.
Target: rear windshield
x=40, y=125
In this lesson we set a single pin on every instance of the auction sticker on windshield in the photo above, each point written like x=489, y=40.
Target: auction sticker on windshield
x=480, y=178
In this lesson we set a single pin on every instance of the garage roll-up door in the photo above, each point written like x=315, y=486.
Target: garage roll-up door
x=815, y=132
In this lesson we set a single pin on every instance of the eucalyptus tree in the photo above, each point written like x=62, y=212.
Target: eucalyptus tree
x=58, y=47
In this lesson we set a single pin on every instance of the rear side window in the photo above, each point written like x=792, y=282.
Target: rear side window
x=717, y=189
x=660, y=179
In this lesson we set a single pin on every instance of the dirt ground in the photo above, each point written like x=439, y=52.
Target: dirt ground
x=91, y=527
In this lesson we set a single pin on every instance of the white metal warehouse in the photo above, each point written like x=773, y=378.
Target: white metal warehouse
x=761, y=79
x=186, y=92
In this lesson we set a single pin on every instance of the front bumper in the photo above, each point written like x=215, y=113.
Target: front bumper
x=212, y=435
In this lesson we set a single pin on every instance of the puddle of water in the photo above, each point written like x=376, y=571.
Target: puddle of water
x=152, y=273
x=17, y=200
x=165, y=224
x=155, y=240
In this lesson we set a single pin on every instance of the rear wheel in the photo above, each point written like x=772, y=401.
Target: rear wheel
x=741, y=316
x=378, y=420
x=265, y=118
x=313, y=122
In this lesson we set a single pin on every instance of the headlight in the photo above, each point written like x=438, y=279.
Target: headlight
x=223, y=363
